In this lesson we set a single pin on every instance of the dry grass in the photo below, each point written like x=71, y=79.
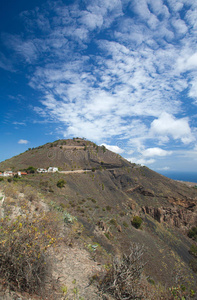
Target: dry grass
x=23, y=245
x=26, y=234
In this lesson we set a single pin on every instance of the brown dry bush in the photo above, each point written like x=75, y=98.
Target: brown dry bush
x=123, y=279
x=30, y=194
x=23, y=245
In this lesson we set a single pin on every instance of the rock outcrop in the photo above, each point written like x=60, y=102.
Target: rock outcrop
x=174, y=216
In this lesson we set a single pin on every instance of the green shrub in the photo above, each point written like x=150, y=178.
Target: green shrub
x=151, y=281
x=193, y=233
x=122, y=213
x=68, y=218
x=31, y=170
x=125, y=224
x=193, y=250
x=113, y=222
x=136, y=222
x=93, y=200
x=193, y=264
x=61, y=183
x=107, y=235
x=1, y=179
x=103, y=148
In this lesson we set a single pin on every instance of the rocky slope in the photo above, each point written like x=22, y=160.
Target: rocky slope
x=106, y=200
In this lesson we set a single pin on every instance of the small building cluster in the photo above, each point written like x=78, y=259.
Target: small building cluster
x=50, y=170
x=20, y=173
x=12, y=174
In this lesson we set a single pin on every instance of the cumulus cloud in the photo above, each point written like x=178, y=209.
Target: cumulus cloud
x=23, y=142
x=150, y=152
x=179, y=26
x=113, y=148
x=187, y=62
x=141, y=161
x=168, y=126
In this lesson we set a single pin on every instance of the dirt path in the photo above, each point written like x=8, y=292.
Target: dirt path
x=73, y=269
x=2, y=198
x=73, y=147
x=75, y=171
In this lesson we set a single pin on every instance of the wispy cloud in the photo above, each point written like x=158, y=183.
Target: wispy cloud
x=6, y=63
x=19, y=123
x=115, y=70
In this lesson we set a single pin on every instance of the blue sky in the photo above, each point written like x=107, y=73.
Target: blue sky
x=117, y=72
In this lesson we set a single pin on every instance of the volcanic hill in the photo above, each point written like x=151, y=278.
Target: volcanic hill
x=106, y=197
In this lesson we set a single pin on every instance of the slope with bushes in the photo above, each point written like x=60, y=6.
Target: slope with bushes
x=102, y=212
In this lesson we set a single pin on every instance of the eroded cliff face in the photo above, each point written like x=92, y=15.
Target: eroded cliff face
x=163, y=199
x=179, y=212
x=174, y=216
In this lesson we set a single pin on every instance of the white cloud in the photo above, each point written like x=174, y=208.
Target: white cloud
x=25, y=49
x=164, y=169
x=106, y=75
x=91, y=20
x=179, y=26
x=193, y=88
x=141, y=161
x=23, y=142
x=187, y=61
x=130, y=152
x=113, y=148
x=5, y=63
x=129, y=84
x=158, y=7
x=168, y=125
x=150, y=152
x=175, y=5
x=19, y=123
x=191, y=17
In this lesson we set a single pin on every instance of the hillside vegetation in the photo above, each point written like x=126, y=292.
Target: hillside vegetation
x=102, y=221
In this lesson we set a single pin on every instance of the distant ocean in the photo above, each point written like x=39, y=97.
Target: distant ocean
x=183, y=176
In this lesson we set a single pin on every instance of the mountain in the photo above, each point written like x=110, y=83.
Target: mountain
x=107, y=196
x=66, y=155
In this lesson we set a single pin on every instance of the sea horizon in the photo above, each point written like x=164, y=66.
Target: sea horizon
x=182, y=176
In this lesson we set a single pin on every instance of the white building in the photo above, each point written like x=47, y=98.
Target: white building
x=53, y=169
x=8, y=174
x=41, y=170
